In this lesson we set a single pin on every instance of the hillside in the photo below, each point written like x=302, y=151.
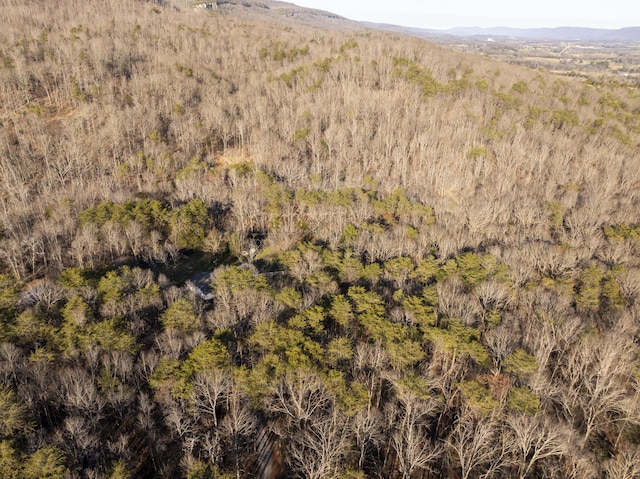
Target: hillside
x=273, y=11
x=422, y=263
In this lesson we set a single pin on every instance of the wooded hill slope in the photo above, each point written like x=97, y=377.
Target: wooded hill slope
x=426, y=264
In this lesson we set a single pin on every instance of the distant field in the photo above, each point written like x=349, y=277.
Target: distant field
x=604, y=59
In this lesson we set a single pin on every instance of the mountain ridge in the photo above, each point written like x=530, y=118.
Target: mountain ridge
x=325, y=18
x=276, y=10
x=557, y=33
x=627, y=34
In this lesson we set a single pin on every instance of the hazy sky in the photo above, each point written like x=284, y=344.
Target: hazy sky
x=491, y=13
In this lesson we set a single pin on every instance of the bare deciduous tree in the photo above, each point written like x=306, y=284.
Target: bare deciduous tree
x=367, y=433
x=209, y=391
x=625, y=465
x=411, y=439
x=316, y=450
x=239, y=426
x=597, y=371
x=533, y=439
x=476, y=446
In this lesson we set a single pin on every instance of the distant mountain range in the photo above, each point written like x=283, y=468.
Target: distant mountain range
x=323, y=19
x=629, y=34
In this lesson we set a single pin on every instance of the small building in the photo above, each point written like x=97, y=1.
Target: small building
x=208, y=6
x=200, y=284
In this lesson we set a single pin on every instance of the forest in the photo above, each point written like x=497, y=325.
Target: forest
x=421, y=263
